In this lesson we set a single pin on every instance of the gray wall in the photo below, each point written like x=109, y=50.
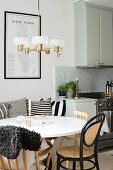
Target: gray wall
x=90, y=80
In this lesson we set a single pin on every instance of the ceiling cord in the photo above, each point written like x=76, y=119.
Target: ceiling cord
x=38, y=7
x=38, y=4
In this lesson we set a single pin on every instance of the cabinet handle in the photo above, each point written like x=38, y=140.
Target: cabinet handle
x=102, y=63
x=99, y=63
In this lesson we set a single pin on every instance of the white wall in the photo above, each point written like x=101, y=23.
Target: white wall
x=57, y=22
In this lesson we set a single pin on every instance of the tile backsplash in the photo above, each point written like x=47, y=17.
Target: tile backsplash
x=90, y=79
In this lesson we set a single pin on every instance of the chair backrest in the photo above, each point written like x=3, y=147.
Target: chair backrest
x=91, y=131
x=22, y=162
x=11, y=164
x=81, y=115
x=12, y=140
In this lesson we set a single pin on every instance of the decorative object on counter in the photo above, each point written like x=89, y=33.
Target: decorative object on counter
x=109, y=85
x=109, y=95
x=62, y=88
x=77, y=89
x=71, y=88
x=67, y=89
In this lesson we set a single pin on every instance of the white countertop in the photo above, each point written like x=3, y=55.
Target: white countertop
x=81, y=99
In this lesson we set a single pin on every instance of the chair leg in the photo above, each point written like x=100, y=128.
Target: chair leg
x=54, y=163
x=58, y=163
x=67, y=164
x=96, y=161
x=81, y=165
x=1, y=163
x=55, y=159
x=74, y=165
x=48, y=161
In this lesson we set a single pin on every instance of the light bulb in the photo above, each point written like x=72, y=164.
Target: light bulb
x=39, y=40
x=57, y=42
x=20, y=41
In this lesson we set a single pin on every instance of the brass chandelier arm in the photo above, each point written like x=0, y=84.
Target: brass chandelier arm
x=20, y=47
x=39, y=48
x=46, y=50
x=27, y=50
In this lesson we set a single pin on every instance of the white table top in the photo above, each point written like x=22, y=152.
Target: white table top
x=49, y=126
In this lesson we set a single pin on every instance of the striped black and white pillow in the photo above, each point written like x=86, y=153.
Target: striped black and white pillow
x=34, y=104
x=40, y=107
x=3, y=111
x=58, y=108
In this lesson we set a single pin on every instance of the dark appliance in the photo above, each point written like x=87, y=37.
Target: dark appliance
x=109, y=85
x=106, y=140
x=103, y=104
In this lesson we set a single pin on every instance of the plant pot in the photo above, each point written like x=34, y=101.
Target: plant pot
x=62, y=93
x=70, y=94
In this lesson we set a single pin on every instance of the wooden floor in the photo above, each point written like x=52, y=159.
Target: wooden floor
x=106, y=160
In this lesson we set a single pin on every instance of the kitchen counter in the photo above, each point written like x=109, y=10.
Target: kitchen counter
x=81, y=99
x=82, y=104
x=94, y=95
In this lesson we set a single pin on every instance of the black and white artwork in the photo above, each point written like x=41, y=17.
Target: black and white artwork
x=19, y=65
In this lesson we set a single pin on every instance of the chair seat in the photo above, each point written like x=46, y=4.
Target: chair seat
x=74, y=152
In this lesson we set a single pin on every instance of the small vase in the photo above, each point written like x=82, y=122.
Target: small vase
x=69, y=94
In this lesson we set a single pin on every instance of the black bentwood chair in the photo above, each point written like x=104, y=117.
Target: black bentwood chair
x=87, y=149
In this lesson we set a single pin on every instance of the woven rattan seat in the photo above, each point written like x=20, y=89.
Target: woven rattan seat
x=74, y=151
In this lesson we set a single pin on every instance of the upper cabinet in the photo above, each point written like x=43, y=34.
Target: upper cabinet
x=106, y=37
x=93, y=35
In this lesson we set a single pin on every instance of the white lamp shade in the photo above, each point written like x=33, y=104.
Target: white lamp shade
x=56, y=42
x=20, y=41
x=28, y=44
x=39, y=40
x=47, y=45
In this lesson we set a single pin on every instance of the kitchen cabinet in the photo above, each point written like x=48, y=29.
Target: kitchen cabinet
x=106, y=37
x=82, y=104
x=93, y=35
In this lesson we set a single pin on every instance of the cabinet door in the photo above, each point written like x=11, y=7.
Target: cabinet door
x=93, y=51
x=106, y=37
x=89, y=107
x=70, y=108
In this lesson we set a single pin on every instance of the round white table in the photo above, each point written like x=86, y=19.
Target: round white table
x=48, y=126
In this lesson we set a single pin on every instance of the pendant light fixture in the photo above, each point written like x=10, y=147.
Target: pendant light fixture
x=39, y=43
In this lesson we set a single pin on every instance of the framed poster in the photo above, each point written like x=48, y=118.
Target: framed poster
x=19, y=65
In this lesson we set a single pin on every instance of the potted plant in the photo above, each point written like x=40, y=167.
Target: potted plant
x=71, y=86
x=62, y=88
